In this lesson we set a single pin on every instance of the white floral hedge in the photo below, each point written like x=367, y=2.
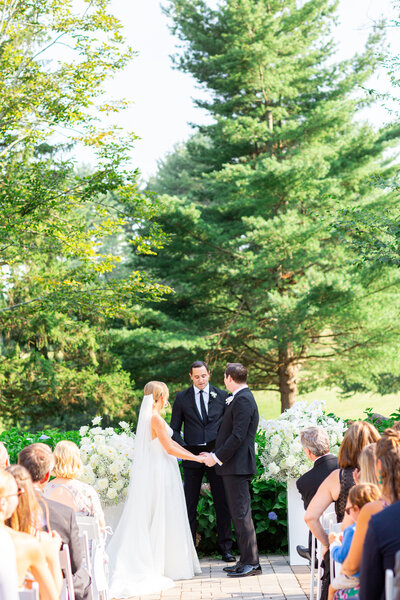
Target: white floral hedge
x=283, y=456
x=107, y=458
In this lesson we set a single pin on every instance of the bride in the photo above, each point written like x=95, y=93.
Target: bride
x=152, y=545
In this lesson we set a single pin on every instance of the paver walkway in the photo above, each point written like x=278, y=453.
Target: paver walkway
x=279, y=581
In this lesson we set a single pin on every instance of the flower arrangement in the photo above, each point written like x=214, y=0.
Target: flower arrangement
x=107, y=457
x=283, y=457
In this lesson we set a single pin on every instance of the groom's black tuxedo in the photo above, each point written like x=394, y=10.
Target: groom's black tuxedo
x=234, y=448
x=200, y=437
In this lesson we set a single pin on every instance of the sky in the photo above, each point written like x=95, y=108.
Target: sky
x=162, y=107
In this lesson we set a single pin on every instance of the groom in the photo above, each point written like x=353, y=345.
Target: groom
x=200, y=409
x=235, y=456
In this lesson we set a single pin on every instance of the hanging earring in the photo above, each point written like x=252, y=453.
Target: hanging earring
x=380, y=477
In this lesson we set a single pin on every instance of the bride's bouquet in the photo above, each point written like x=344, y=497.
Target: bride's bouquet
x=283, y=456
x=107, y=458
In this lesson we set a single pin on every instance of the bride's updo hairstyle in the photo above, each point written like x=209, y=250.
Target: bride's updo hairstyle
x=388, y=452
x=156, y=388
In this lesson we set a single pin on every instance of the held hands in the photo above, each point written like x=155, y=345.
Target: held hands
x=208, y=459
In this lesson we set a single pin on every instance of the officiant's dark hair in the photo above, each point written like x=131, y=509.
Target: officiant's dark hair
x=237, y=371
x=197, y=364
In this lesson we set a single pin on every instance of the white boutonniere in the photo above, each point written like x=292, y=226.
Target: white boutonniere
x=213, y=394
x=229, y=399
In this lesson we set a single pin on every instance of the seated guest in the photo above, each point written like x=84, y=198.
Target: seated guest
x=315, y=442
x=38, y=460
x=29, y=555
x=382, y=539
x=67, y=489
x=359, y=495
x=8, y=562
x=28, y=518
x=353, y=560
x=4, y=457
x=336, y=486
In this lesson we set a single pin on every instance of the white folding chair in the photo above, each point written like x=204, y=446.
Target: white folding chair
x=32, y=594
x=328, y=517
x=335, y=567
x=97, y=554
x=389, y=584
x=67, y=592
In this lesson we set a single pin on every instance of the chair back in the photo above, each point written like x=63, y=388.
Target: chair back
x=32, y=594
x=67, y=592
x=389, y=584
x=97, y=554
x=83, y=536
x=397, y=576
x=90, y=525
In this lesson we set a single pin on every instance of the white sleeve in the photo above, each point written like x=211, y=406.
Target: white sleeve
x=8, y=568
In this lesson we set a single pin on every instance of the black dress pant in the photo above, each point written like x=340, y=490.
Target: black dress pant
x=192, y=484
x=239, y=502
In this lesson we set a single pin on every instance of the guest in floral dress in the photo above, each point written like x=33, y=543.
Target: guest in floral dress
x=67, y=489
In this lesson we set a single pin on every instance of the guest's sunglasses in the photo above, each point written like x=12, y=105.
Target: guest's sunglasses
x=347, y=510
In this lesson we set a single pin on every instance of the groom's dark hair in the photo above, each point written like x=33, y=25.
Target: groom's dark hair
x=197, y=364
x=237, y=371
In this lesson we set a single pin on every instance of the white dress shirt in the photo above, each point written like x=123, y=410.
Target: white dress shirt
x=206, y=397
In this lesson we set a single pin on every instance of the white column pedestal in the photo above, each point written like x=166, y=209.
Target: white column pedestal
x=297, y=528
x=113, y=514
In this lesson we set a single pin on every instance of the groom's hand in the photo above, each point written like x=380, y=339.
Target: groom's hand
x=209, y=459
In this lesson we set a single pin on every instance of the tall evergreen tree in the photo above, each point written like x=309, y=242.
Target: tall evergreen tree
x=258, y=273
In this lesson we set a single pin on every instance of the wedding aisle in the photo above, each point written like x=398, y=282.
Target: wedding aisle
x=279, y=581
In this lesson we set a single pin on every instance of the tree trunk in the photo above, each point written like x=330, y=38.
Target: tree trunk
x=287, y=372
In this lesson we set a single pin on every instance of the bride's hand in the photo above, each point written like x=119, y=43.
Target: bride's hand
x=201, y=458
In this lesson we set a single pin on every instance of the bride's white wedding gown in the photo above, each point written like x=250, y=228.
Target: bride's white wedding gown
x=152, y=545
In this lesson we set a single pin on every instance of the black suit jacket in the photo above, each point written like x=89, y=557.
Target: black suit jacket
x=309, y=483
x=184, y=412
x=62, y=519
x=234, y=445
x=380, y=546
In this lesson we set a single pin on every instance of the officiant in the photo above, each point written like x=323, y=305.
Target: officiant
x=199, y=410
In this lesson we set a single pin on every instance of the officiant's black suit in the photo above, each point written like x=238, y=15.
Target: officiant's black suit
x=200, y=437
x=235, y=448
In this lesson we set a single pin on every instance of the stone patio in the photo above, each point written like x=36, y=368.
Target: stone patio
x=279, y=581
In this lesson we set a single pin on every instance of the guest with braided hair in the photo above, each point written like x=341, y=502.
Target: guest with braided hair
x=382, y=540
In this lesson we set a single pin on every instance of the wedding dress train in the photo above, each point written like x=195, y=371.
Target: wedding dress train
x=152, y=545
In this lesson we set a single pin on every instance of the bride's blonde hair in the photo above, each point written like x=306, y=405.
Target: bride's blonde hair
x=156, y=388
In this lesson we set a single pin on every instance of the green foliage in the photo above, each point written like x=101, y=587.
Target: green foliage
x=14, y=439
x=259, y=274
x=64, y=231
x=382, y=424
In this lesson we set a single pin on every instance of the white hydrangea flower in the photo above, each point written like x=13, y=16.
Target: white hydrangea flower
x=83, y=430
x=111, y=493
x=102, y=484
x=96, y=421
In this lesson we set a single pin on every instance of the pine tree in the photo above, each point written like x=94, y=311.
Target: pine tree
x=258, y=271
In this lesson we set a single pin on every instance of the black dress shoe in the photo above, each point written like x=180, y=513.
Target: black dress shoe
x=228, y=556
x=303, y=552
x=246, y=571
x=232, y=568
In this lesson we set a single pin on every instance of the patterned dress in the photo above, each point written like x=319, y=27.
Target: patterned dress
x=86, y=498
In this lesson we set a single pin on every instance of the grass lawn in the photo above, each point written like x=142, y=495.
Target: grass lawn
x=348, y=408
